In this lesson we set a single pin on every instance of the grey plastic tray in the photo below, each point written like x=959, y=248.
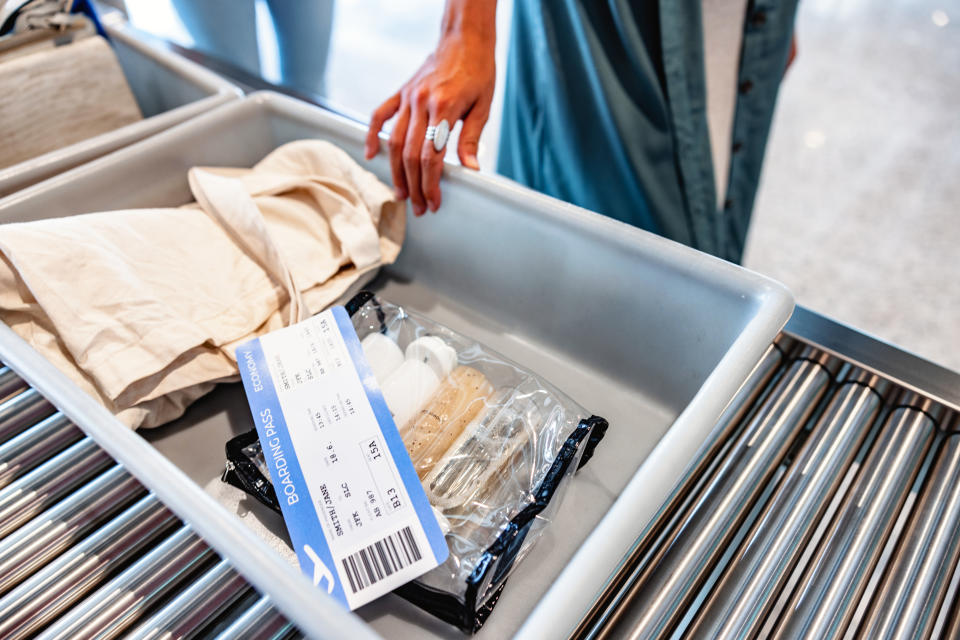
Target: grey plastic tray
x=650, y=334
x=168, y=88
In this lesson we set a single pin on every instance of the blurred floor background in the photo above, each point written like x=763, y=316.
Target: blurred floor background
x=859, y=204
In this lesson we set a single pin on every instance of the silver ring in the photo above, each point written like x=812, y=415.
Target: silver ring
x=439, y=134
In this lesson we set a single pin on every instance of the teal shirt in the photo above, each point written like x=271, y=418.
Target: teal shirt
x=605, y=107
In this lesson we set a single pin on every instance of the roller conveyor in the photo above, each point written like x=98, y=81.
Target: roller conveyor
x=660, y=594
x=22, y=410
x=820, y=549
x=826, y=599
x=715, y=448
x=205, y=599
x=914, y=587
x=953, y=627
x=69, y=521
x=260, y=622
x=10, y=383
x=45, y=485
x=26, y=450
x=112, y=608
x=773, y=547
x=86, y=551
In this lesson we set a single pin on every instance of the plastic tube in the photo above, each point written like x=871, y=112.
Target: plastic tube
x=474, y=461
x=457, y=402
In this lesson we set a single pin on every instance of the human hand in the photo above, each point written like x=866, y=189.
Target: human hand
x=456, y=82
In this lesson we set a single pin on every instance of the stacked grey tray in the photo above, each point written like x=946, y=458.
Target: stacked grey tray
x=169, y=90
x=86, y=551
x=650, y=334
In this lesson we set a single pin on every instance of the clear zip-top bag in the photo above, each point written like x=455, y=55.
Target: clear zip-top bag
x=494, y=445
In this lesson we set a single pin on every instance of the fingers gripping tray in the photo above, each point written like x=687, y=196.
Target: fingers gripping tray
x=650, y=334
x=168, y=89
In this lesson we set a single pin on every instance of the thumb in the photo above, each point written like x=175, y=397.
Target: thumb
x=469, y=142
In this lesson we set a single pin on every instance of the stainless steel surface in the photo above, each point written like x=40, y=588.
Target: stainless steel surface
x=908, y=398
x=40, y=488
x=97, y=527
x=657, y=600
x=39, y=442
x=21, y=411
x=10, y=383
x=953, y=624
x=827, y=597
x=113, y=607
x=914, y=587
x=201, y=602
x=42, y=597
x=667, y=518
x=873, y=354
x=37, y=542
x=260, y=622
x=762, y=566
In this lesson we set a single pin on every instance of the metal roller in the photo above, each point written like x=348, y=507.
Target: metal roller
x=827, y=596
x=84, y=553
x=45, y=595
x=43, y=538
x=915, y=586
x=10, y=383
x=41, y=441
x=40, y=488
x=762, y=566
x=203, y=601
x=658, y=600
x=741, y=404
x=21, y=411
x=112, y=608
x=953, y=623
x=260, y=622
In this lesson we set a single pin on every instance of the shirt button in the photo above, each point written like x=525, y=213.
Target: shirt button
x=727, y=205
x=758, y=18
x=746, y=86
x=737, y=146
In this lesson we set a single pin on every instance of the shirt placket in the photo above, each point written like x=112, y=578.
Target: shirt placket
x=766, y=42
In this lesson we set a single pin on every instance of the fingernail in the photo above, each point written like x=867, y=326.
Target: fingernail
x=400, y=194
x=432, y=205
x=418, y=210
x=472, y=162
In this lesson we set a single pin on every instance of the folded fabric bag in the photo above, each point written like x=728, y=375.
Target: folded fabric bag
x=143, y=308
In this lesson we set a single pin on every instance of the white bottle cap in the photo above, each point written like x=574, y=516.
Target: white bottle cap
x=436, y=353
x=383, y=355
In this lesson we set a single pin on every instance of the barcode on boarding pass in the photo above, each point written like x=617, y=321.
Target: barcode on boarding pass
x=381, y=559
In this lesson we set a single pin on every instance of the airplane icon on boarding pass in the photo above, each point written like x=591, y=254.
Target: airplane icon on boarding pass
x=320, y=570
